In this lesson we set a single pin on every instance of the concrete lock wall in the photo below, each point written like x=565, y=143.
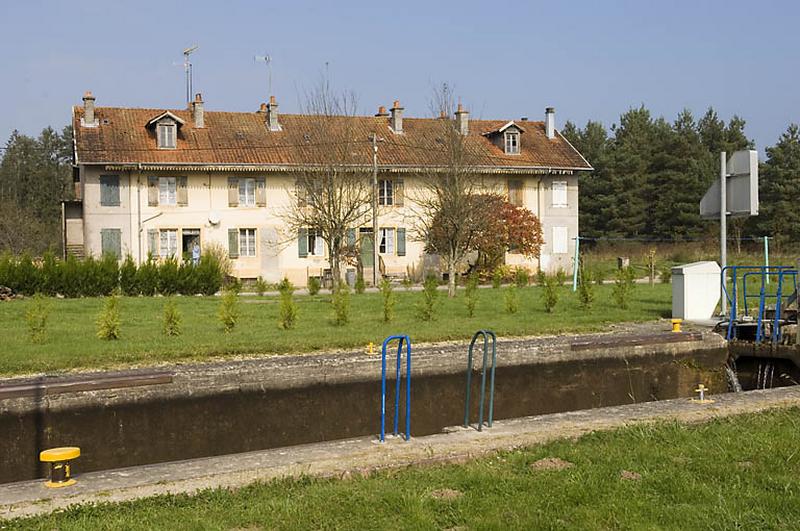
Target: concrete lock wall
x=213, y=409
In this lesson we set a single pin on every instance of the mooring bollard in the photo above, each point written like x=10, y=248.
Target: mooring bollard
x=701, y=390
x=59, y=459
x=676, y=325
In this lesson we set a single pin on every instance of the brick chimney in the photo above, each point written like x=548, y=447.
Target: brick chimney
x=382, y=112
x=462, y=120
x=550, y=122
x=89, y=119
x=272, y=115
x=262, y=108
x=198, y=114
x=396, y=121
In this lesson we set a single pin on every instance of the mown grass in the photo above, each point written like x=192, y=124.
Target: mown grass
x=735, y=473
x=71, y=343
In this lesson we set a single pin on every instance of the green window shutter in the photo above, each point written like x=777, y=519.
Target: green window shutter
x=111, y=242
x=152, y=191
x=261, y=191
x=233, y=191
x=183, y=191
x=302, y=243
x=351, y=237
x=401, y=241
x=152, y=242
x=233, y=243
x=399, y=192
x=109, y=190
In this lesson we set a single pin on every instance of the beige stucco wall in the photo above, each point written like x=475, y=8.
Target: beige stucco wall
x=277, y=252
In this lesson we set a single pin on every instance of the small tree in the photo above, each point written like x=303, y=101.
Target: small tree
x=550, y=292
x=341, y=304
x=387, y=295
x=260, y=286
x=314, y=285
x=471, y=293
x=521, y=277
x=361, y=286
x=229, y=310
x=127, y=277
x=36, y=316
x=624, y=282
x=172, y=319
x=586, y=288
x=512, y=304
x=287, y=313
x=430, y=294
x=108, y=322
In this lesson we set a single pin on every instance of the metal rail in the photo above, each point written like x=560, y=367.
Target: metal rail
x=486, y=335
x=401, y=339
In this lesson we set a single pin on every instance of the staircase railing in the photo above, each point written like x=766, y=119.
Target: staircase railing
x=486, y=334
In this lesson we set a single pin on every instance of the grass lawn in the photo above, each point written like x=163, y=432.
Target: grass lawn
x=71, y=342
x=735, y=473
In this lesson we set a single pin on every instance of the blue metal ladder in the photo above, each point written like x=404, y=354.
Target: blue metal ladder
x=401, y=339
x=486, y=335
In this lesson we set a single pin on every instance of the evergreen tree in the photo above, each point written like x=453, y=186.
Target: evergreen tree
x=779, y=187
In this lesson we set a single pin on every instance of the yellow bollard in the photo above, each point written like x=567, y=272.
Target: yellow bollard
x=59, y=459
x=701, y=390
x=676, y=325
x=371, y=348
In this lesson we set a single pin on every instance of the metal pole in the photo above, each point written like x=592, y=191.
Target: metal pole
x=766, y=256
x=576, y=261
x=723, y=229
x=375, y=241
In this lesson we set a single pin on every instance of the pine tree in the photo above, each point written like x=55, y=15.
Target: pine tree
x=779, y=188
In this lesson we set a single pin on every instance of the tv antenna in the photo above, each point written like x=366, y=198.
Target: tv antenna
x=187, y=68
x=267, y=60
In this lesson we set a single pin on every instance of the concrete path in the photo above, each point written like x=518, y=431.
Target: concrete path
x=364, y=455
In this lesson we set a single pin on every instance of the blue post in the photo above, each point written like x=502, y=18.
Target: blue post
x=486, y=335
x=576, y=263
x=401, y=340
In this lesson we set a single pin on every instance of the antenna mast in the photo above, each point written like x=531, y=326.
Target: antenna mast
x=187, y=68
x=268, y=61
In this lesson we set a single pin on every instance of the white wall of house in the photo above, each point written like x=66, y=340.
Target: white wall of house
x=276, y=249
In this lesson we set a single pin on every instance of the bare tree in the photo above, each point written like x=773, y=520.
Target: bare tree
x=333, y=192
x=451, y=220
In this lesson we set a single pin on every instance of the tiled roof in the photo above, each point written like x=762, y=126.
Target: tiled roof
x=233, y=138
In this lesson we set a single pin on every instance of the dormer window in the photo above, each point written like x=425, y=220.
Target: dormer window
x=166, y=133
x=512, y=142
x=166, y=126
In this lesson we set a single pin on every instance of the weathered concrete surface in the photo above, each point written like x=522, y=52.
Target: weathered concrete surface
x=364, y=455
x=204, y=410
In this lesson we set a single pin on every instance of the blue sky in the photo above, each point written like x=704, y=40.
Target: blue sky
x=591, y=60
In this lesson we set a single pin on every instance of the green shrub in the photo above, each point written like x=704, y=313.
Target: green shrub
x=50, y=275
x=6, y=270
x=388, y=298
x=168, y=277
x=28, y=279
x=550, y=292
x=314, y=285
x=361, y=286
x=561, y=276
x=108, y=273
x=541, y=278
x=172, y=319
x=471, y=294
x=430, y=294
x=36, y=317
x=210, y=274
x=341, y=304
x=288, y=310
x=623, y=287
x=511, y=300
x=586, y=289
x=108, y=322
x=599, y=276
x=521, y=277
x=229, y=310
x=665, y=275
x=90, y=278
x=147, y=277
x=187, y=283
x=127, y=277
x=407, y=283
x=260, y=286
x=72, y=277
x=497, y=278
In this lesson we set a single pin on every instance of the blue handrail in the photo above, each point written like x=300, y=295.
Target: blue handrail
x=486, y=335
x=401, y=339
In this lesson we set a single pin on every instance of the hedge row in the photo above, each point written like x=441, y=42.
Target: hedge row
x=92, y=277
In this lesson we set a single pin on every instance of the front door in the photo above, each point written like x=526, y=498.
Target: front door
x=367, y=247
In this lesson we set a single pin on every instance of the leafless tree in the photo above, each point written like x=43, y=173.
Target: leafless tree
x=333, y=190
x=450, y=220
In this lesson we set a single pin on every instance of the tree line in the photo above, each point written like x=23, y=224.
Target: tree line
x=650, y=175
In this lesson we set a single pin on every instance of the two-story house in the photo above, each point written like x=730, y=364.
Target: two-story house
x=157, y=181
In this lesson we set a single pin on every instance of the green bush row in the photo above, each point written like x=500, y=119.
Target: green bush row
x=95, y=277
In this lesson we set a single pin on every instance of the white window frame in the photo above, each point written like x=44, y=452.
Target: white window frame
x=167, y=135
x=167, y=190
x=560, y=240
x=388, y=241
x=512, y=142
x=247, y=192
x=247, y=242
x=559, y=192
x=167, y=243
x=386, y=192
x=314, y=243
